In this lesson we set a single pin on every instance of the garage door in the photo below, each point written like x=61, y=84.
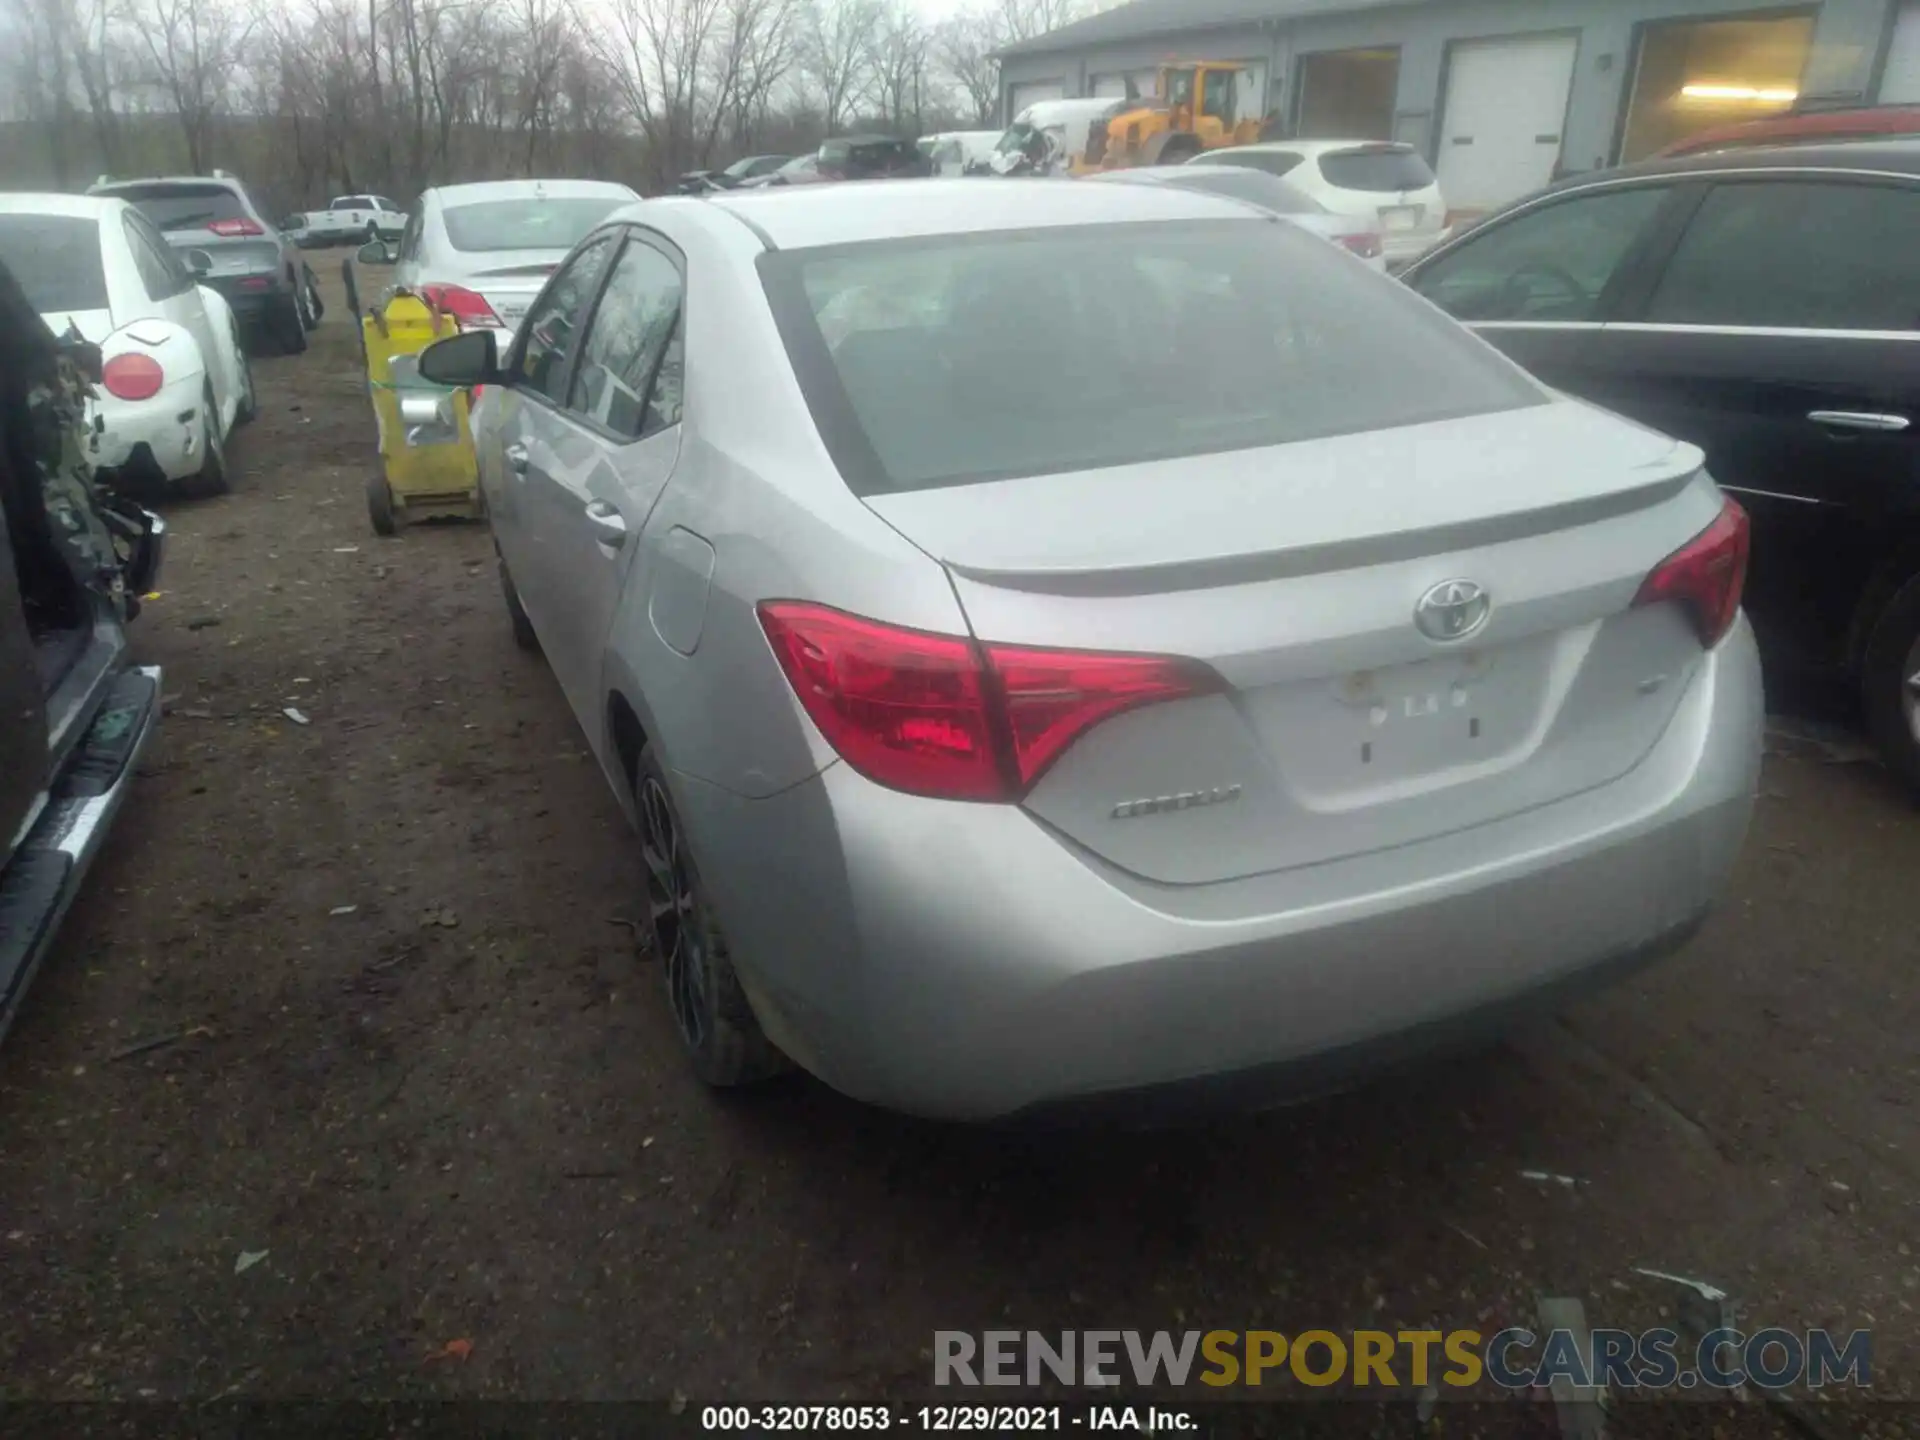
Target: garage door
x=1019, y=97
x=1900, y=81
x=1110, y=87
x=1506, y=101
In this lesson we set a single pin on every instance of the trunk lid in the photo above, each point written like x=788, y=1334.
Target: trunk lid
x=1296, y=573
x=510, y=281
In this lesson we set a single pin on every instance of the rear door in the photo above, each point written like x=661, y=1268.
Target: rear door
x=175, y=296
x=607, y=456
x=1539, y=282
x=1783, y=337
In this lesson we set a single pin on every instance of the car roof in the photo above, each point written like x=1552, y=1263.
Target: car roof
x=132, y=182
x=480, y=190
x=1838, y=123
x=1321, y=147
x=73, y=207
x=833, y=215
x=1900, y=157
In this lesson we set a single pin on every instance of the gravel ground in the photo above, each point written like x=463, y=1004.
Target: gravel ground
x=454, y=1112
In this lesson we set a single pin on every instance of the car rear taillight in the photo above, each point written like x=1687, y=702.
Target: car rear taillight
x=467, y=307
x=232, y=228
x=1706, y=575
x=950, y=717
x=1365, y=245
x=132, y=377
x=255, y=282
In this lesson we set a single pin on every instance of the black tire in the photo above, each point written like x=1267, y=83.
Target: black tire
x=723, y=1040
x=289, y=325
x=312, y=307
x=249, y=405
x=380, y=505
x=523, y=632
x=1887, y=695
x=215, y=476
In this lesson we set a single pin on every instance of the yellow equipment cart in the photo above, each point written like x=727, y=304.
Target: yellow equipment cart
x=427, y=467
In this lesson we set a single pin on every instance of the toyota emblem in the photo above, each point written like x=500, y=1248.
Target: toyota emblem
x=1452, y=610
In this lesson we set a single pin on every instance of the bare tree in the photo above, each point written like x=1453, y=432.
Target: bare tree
x=963, y=54
x=836, y=54
x=898, y=53
x=194, y=48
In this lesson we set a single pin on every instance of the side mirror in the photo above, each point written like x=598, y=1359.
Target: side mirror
x=462, y=361
x=378, y=252
x=199, y=262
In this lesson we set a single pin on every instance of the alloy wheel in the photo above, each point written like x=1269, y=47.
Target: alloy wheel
x=673, y=913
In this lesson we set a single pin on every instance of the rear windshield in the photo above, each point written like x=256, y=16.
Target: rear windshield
x=185, y=207
x=56, y=259
x=1380, y=171
x=527, y=224
x=958, y=360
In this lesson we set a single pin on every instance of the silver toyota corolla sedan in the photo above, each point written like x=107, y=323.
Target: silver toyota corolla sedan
x=1095, y=644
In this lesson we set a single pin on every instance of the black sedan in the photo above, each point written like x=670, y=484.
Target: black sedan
x=1765, y=305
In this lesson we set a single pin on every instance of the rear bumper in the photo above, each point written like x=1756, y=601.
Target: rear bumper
x=39, y=881
x=164, y=432
x=966, y=962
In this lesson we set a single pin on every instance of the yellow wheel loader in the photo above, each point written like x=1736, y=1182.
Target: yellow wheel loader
x=1195, y=108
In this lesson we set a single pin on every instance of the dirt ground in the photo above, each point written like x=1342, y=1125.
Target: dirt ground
x=410, y=1052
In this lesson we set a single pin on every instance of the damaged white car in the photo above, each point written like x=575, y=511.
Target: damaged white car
x=175, y=381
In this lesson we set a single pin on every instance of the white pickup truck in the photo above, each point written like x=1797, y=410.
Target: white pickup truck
x=349, y=219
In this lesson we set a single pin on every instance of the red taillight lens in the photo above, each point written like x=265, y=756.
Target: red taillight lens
x=944, y=716
x=132, y=377
x=1706, y=575
x=1366, y=246
x=464, y=305
x=231, y=228
x=255, y=282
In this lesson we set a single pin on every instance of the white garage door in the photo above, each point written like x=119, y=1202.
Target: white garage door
x=1110, y=87
x=1506, y=102
x=1900, y=81
x=1019, y=97
x=1250, y=100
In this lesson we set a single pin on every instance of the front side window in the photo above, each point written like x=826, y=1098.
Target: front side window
x=547, y=343
x=1218, y=100
x=630, y=374
x=1825, y=255
x=1551, y=264
x=529, y=223
x=956, y=361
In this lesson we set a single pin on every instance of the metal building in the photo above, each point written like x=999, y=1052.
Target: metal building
x=1500, y=95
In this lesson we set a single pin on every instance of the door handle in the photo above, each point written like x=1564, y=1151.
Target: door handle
x=608, y=524
x=516, y=454
x=1860, y=420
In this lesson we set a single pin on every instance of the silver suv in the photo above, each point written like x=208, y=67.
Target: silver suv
x=231, y=246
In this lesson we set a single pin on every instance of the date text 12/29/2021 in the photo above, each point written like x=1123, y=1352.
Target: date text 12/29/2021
x=946, y=1419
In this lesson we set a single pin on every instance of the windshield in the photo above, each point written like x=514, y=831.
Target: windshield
x=56, y=259
x=954, y=361
x=1382, y=171
x=185, y=207
x=1015, y=141
x=527, y=224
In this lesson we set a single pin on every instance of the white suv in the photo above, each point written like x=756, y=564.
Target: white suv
x=1387, y=184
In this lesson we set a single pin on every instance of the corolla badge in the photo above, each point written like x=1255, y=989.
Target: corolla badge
x=1452, y=610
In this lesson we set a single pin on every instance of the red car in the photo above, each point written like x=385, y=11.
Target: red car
x=1806, y=127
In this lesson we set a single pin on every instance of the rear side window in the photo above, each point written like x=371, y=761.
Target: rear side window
x=1832, y=255
x=185, y=207
x=526, y=224
x=961, y=360
x=56, y=259
x=1382, y=171
x=1548, y=264
x=1274, y=162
